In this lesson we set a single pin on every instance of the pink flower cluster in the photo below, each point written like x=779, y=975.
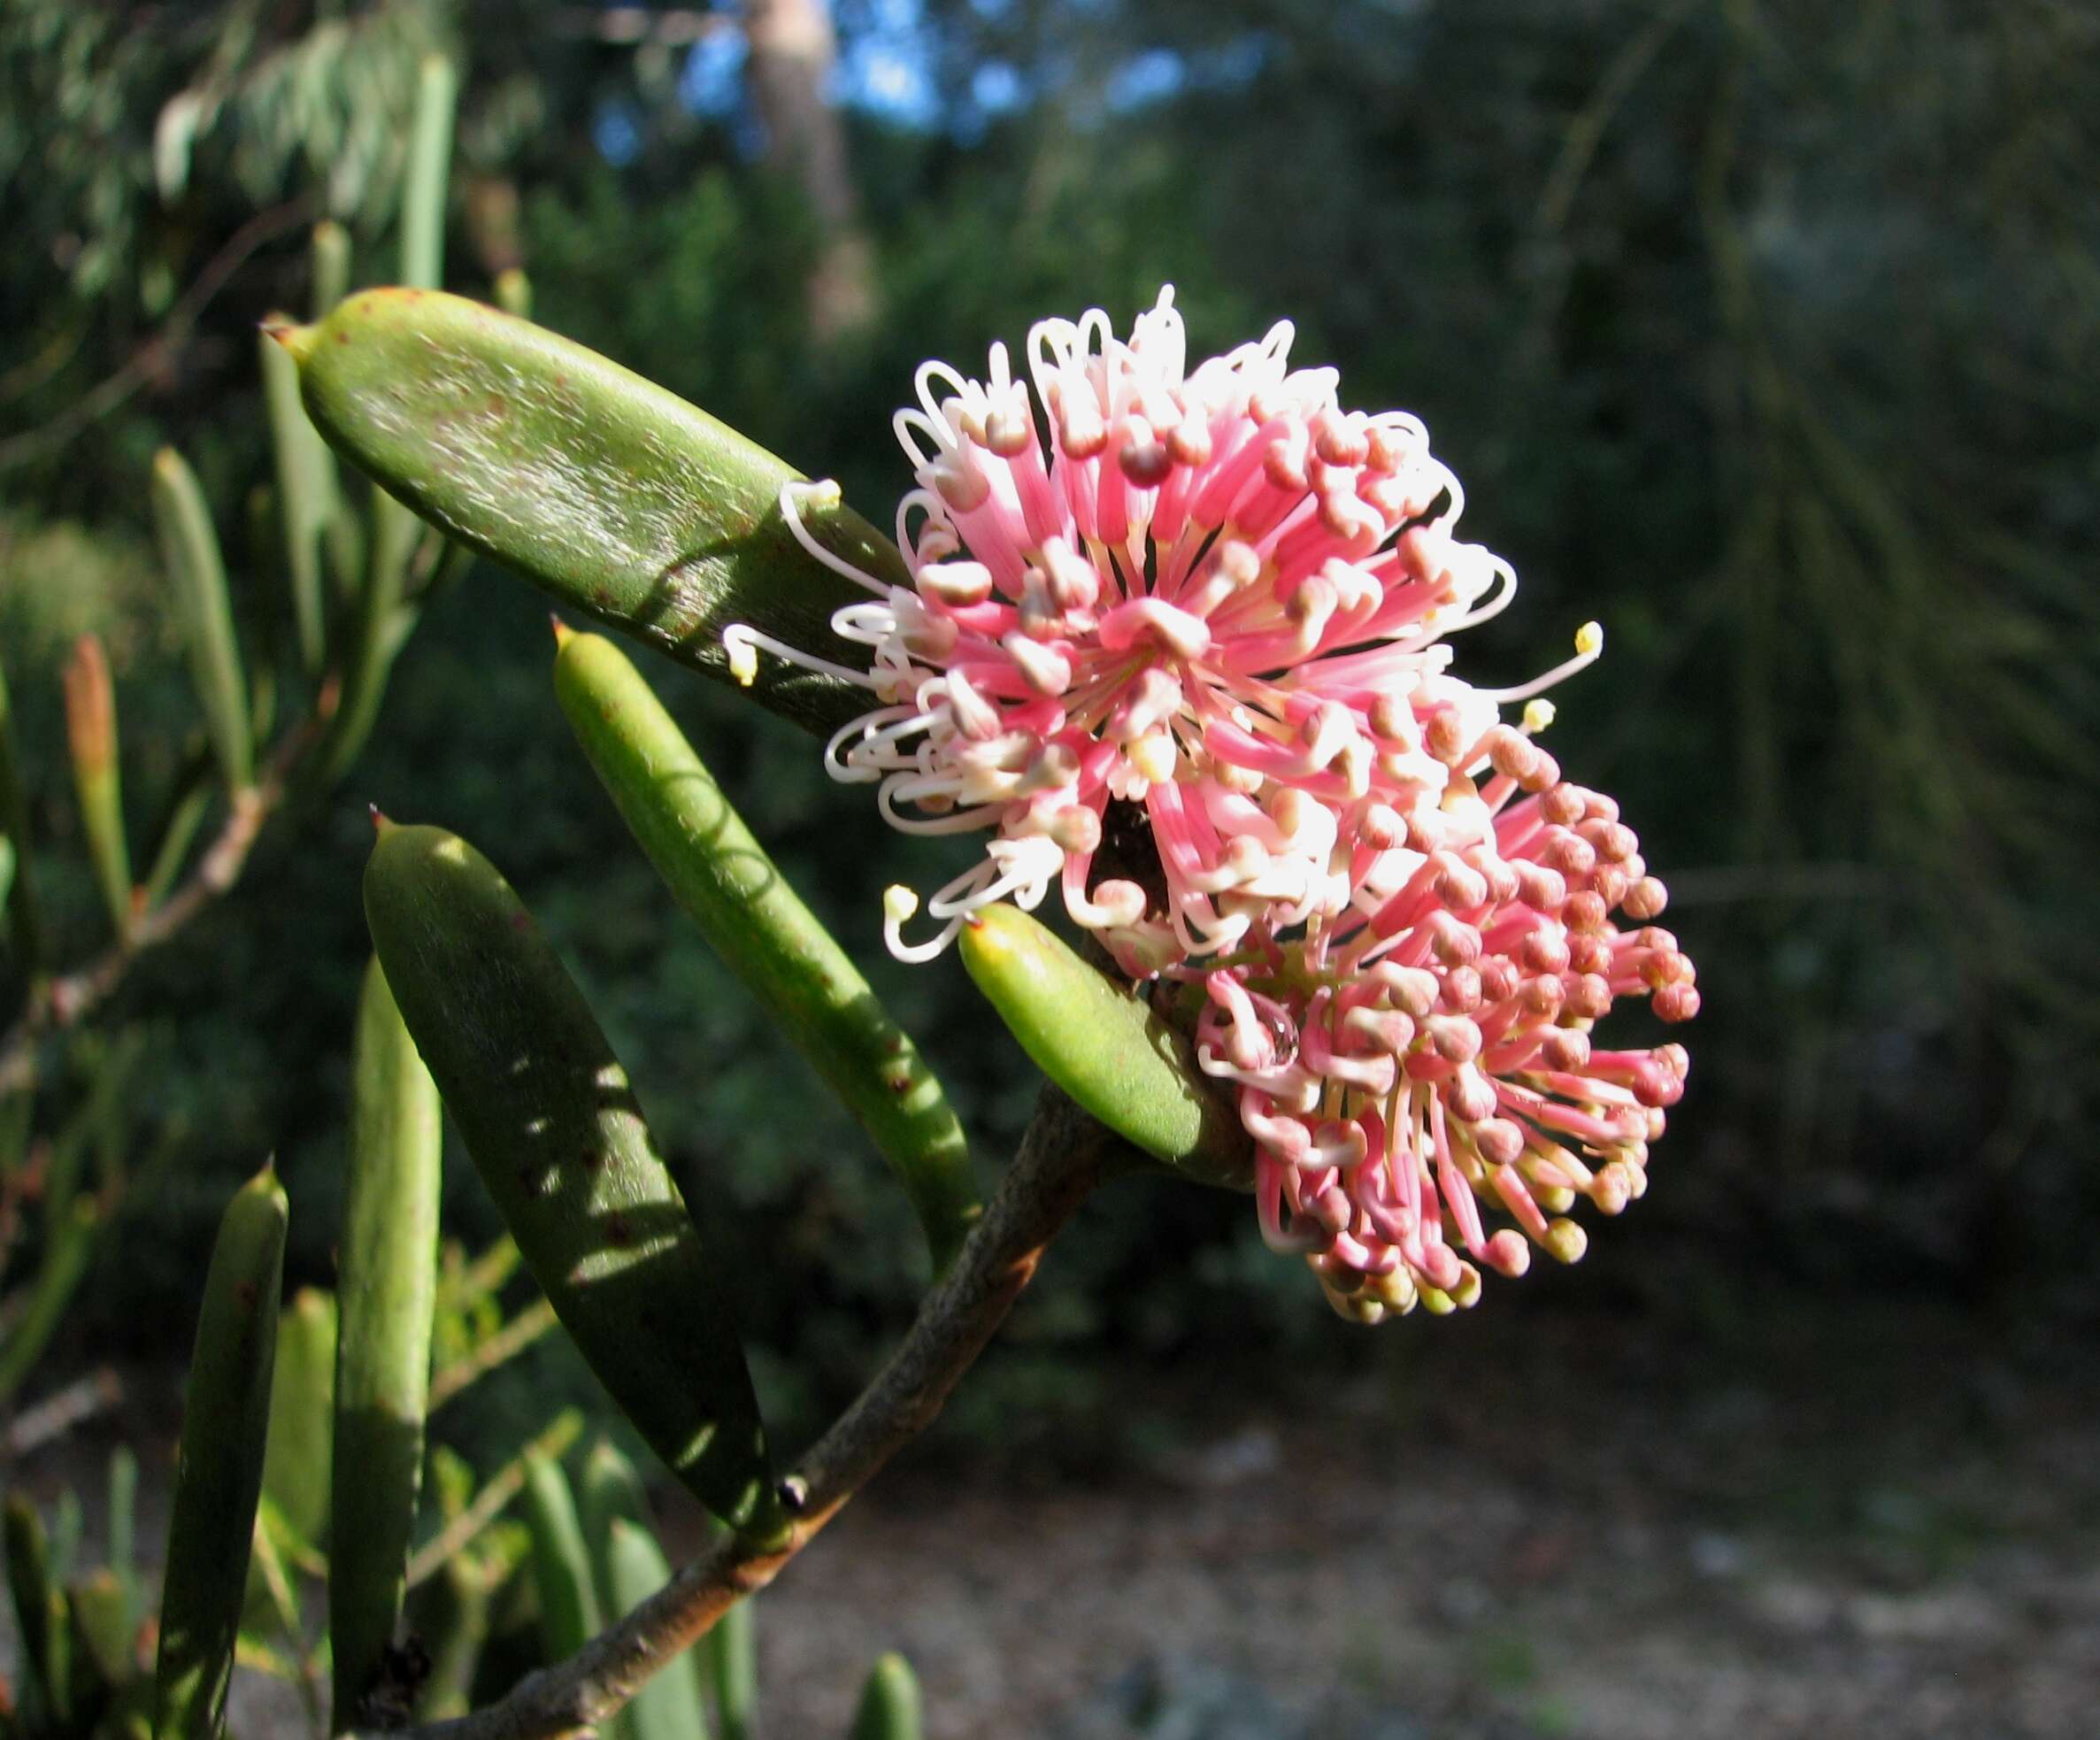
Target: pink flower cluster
x=1430, y=1055
x=1211, y=595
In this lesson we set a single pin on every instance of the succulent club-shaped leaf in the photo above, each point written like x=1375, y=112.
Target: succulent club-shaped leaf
x=101, y=1637
x=376, y=625
x=225, y=1418
x=618, y=498
x=755, y=922
x=889, y=1707
x=609, y=1491
x=670, y=1707
x=296, y=1463
x=122, y=1530
x=386, y=1300
x=189, y=548
x=555, y=1132
x=91, y=738
x=70, y=1229
x=42, y=1625
x=328, y=265
x=570, y=1615
x=306, y=498
x=1105, y=1047
x=732, y=1653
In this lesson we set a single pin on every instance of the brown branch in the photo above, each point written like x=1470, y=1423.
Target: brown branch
x=57, y=1414
x=506, y=1344
x=59, y=1003
x=1061, y=1158
x=492, y=1501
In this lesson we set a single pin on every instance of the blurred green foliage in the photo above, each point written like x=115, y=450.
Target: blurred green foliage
x=1766, y=335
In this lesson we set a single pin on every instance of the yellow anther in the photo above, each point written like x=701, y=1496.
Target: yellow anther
x=1589, y=639
x=1154, y=756
x=898, y=903
x=1538, y=714
x=743, y=657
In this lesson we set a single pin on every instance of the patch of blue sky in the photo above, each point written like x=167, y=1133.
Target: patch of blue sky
x=1147, y=78
x=711, y=82
x=885, y=65
x=617, y=133
x=996, y=88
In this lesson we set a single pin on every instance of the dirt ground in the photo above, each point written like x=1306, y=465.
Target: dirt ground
x=1886, y=1526
x=1896, y=1537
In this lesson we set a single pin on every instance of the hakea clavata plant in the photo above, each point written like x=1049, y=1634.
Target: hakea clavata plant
x=1216, y=596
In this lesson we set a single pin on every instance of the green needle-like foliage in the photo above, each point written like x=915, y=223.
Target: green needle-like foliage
x=616, y=496
x=558, y=1136
x=1105, y=1047
x=810, y=986
x=386, y=1299
x=219, y=1476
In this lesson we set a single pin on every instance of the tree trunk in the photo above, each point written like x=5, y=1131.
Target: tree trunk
x=792, y=49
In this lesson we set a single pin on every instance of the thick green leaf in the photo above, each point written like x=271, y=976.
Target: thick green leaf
x=296, y=1466
x=570, y=1615
x=888, y=1702
x=377, y=625
x=306, y=494
x=225, y=1421
x=731, y=1650
x=123, y=1496
x=1105, y=1047
x=618, y=498
x=69, y=1234
x=189, y=549
x=608, y=1492
x=669, y=1707
x=102, y=1634
x=386, y=1299
x=328, y=265
x=429, y=162
x=722, y=877
x=97, y=780
x=558, y=1136
x=42, y=1623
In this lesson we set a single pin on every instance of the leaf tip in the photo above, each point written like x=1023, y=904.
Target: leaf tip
x=294, y=337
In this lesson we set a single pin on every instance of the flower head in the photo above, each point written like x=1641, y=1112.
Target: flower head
x=1210, y=593
x=1427, y=1062
x=1212, y=597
